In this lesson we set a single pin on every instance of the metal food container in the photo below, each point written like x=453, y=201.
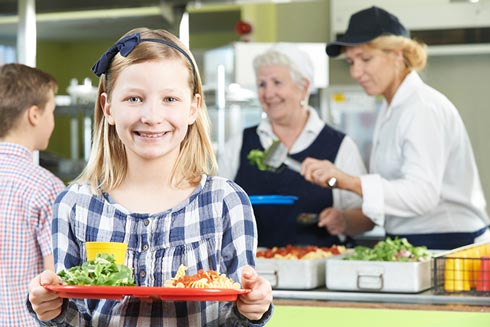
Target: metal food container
x=292, y=274
x=377, y=276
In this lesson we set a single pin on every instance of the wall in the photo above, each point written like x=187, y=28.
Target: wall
x=213, y=26
x=67, y=60
x=465, y=79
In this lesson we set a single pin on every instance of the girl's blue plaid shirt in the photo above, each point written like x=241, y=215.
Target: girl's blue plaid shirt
x=213, y=229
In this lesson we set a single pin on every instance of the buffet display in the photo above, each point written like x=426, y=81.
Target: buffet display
x=293, y=267
x=390, y=266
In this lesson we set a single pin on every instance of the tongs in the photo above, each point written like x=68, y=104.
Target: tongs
x=310, y=219
x=277, y=155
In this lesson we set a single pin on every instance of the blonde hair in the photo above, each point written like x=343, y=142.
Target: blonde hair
x=107, y=164
x=414, y=52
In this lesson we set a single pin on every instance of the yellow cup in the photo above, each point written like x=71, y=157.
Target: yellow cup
x=115, y=248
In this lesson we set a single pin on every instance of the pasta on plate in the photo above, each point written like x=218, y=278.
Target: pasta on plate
x=202, y=279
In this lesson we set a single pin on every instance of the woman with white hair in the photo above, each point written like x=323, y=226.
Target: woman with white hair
x=284, y=79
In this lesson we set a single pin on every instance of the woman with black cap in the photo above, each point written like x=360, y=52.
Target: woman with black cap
x=423, y=182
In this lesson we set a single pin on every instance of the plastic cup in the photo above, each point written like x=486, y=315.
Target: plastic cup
x=115, y=248
x=483, y=281
x=455, y=275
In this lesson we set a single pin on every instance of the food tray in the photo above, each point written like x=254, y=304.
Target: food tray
x=292, y=274
x=465, y=270
x=164, y=293
x=377, y=276
x=272, y=199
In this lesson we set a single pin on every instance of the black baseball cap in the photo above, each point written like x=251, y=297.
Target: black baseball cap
x=366, y=25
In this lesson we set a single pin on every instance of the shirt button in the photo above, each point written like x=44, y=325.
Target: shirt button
x=145, y=247
x=146, y=222
x=142, y=274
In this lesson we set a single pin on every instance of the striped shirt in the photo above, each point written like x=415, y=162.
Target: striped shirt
x=27, y=192
x=214, y=229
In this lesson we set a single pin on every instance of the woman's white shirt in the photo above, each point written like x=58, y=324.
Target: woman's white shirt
x=423, y=176
x=348, y=157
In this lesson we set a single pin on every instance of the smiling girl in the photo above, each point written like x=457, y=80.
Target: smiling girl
x=149, y=183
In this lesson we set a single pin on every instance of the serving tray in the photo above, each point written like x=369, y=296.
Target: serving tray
x=164, y=293
x=377, y=276
x=292, y=274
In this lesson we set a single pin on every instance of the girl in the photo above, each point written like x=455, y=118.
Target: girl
x=149, y=183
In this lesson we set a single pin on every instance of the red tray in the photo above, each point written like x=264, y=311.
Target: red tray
x=164, y=293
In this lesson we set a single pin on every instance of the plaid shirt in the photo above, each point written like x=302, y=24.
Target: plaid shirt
x=27, y=192
x=213, y=229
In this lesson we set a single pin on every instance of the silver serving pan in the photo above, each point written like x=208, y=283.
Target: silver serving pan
x=377, y=276
x=292, y=274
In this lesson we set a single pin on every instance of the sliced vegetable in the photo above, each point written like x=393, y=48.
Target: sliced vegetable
x=102, y=271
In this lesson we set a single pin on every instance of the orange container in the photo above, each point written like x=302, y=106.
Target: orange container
x=483, y=279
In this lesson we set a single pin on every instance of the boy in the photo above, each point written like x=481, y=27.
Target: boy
x=27, y=190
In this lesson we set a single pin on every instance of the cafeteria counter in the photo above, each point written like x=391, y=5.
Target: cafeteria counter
x=321, y=307
x=427, y=297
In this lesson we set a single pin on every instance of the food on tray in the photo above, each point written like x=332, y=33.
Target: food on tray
x=305, y=253
x=203, y=279
x=102, y=271
x=391, y=250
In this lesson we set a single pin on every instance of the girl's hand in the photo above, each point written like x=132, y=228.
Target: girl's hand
x=45, y=303
x=253, y=305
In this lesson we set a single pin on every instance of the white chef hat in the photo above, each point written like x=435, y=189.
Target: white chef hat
x=300, y=60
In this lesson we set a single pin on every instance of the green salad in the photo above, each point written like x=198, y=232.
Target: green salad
x=102, y=271
x=256, y=158
x=391, y=250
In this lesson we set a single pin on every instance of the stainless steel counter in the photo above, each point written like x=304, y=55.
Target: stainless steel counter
x=427, y=297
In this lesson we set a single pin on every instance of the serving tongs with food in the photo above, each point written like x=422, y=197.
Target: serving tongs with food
x=276, y=156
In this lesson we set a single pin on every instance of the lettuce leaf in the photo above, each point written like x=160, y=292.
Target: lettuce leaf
x=102, y=271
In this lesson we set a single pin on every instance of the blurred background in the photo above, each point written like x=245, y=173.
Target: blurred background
x=66, y=37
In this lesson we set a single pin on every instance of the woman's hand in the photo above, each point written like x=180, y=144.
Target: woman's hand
x=45, y=303
x=320, y=171
x=333, y=221
x=253, y=305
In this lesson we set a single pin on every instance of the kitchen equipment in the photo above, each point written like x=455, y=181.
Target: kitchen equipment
x=308, y=219
x=276, y=155
x=377, y=276
x=292, y=274
x=293, y=267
